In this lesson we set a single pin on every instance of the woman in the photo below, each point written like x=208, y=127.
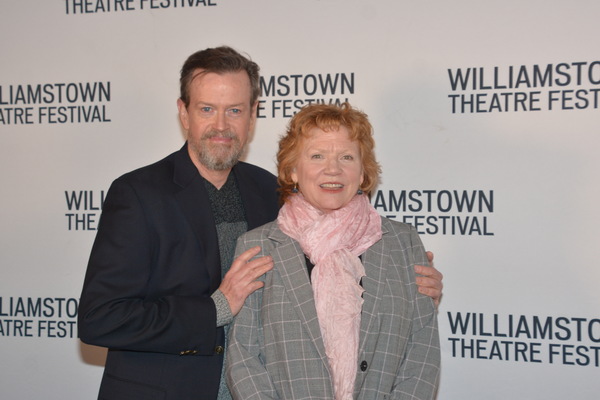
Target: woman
x=339, y=316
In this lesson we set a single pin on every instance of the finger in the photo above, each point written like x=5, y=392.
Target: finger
x=257, y=267
x=254, y=286
x=427, y=291
x=256, y=271
x=428, y=271
x=248, y=254
x=243, y=258
x=429, y=283
x=257, y=262
x=435, y=274
x=434, y=294
x=429, y=256
x=423, y=270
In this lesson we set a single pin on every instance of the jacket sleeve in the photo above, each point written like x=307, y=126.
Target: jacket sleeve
x=419, y=371
x=122, y=305
x=247, y=376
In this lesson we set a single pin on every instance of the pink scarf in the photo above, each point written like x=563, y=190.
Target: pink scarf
x=333, y=242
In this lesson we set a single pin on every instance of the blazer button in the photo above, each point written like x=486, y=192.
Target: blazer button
x=363, y=366
x=219, y=349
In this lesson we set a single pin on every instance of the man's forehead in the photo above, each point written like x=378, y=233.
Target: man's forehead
x=200, y=73
x=202, y=77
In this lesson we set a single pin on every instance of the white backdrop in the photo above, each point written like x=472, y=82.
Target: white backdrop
x=487, y=123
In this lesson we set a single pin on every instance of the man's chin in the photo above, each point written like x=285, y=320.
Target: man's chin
x=218, y=158
x=219, y=163
x=224, y=166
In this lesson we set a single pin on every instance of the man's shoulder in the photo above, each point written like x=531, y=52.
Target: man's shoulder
x=257, y=179
x=149, y=179
x=152, y=172
x=251, y=169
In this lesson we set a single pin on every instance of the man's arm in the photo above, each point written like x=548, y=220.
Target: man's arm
x=139, y=293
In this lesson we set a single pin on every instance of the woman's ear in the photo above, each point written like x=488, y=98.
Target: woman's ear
x=294, y=176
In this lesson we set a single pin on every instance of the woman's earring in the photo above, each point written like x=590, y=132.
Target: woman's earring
x=295, y=188
x=359, y=191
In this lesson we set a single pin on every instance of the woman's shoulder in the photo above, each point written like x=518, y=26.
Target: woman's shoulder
x=265, y=236
x=262, y=232
x=399, y=236
x=396, y=227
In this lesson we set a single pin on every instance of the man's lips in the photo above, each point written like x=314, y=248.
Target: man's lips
x=220, y=139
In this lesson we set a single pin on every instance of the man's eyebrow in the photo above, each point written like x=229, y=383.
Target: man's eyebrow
x=208, y=103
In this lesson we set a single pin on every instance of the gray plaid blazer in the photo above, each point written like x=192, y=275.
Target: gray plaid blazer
x=276, y=349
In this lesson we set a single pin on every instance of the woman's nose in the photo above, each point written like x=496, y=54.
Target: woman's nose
x=333, y=166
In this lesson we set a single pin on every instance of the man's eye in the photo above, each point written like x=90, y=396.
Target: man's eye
x=206, y=109
x=236, y=111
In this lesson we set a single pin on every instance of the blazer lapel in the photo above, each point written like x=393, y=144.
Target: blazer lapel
x=291, y=265
x=374, y=260
x=254, y=204
x=194, y=202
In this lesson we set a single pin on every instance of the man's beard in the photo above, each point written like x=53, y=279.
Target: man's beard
x=219, y=157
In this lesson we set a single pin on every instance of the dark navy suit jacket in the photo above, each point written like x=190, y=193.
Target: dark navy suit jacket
x=154, y=264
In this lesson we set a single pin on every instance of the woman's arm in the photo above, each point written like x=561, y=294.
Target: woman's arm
x=419, y=371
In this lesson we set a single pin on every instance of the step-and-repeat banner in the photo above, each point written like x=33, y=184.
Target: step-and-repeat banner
x=487, y=120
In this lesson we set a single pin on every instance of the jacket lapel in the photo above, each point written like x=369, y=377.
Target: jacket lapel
x=254, y=204
x=374, y=260
x=195, y=205
x=291, y=265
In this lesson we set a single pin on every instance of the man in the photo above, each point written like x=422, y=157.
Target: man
x=158, y=291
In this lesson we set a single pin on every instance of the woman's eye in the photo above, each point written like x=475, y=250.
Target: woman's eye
x=348, y=157
x=316, y=156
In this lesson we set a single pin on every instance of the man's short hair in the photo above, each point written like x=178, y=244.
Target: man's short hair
x=218, y=60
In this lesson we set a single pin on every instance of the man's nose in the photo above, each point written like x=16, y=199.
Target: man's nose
x=220, y=122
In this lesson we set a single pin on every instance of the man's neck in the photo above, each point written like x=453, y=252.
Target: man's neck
x=216, y=178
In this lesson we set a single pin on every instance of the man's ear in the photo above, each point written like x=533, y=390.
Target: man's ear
x=254, y=111
x=183, y=114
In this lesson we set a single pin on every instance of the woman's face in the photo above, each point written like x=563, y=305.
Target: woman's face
x=329, y=169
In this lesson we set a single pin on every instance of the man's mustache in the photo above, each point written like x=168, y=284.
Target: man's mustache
x=223, y=134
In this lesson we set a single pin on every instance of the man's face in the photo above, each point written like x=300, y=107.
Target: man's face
x=218, y=119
